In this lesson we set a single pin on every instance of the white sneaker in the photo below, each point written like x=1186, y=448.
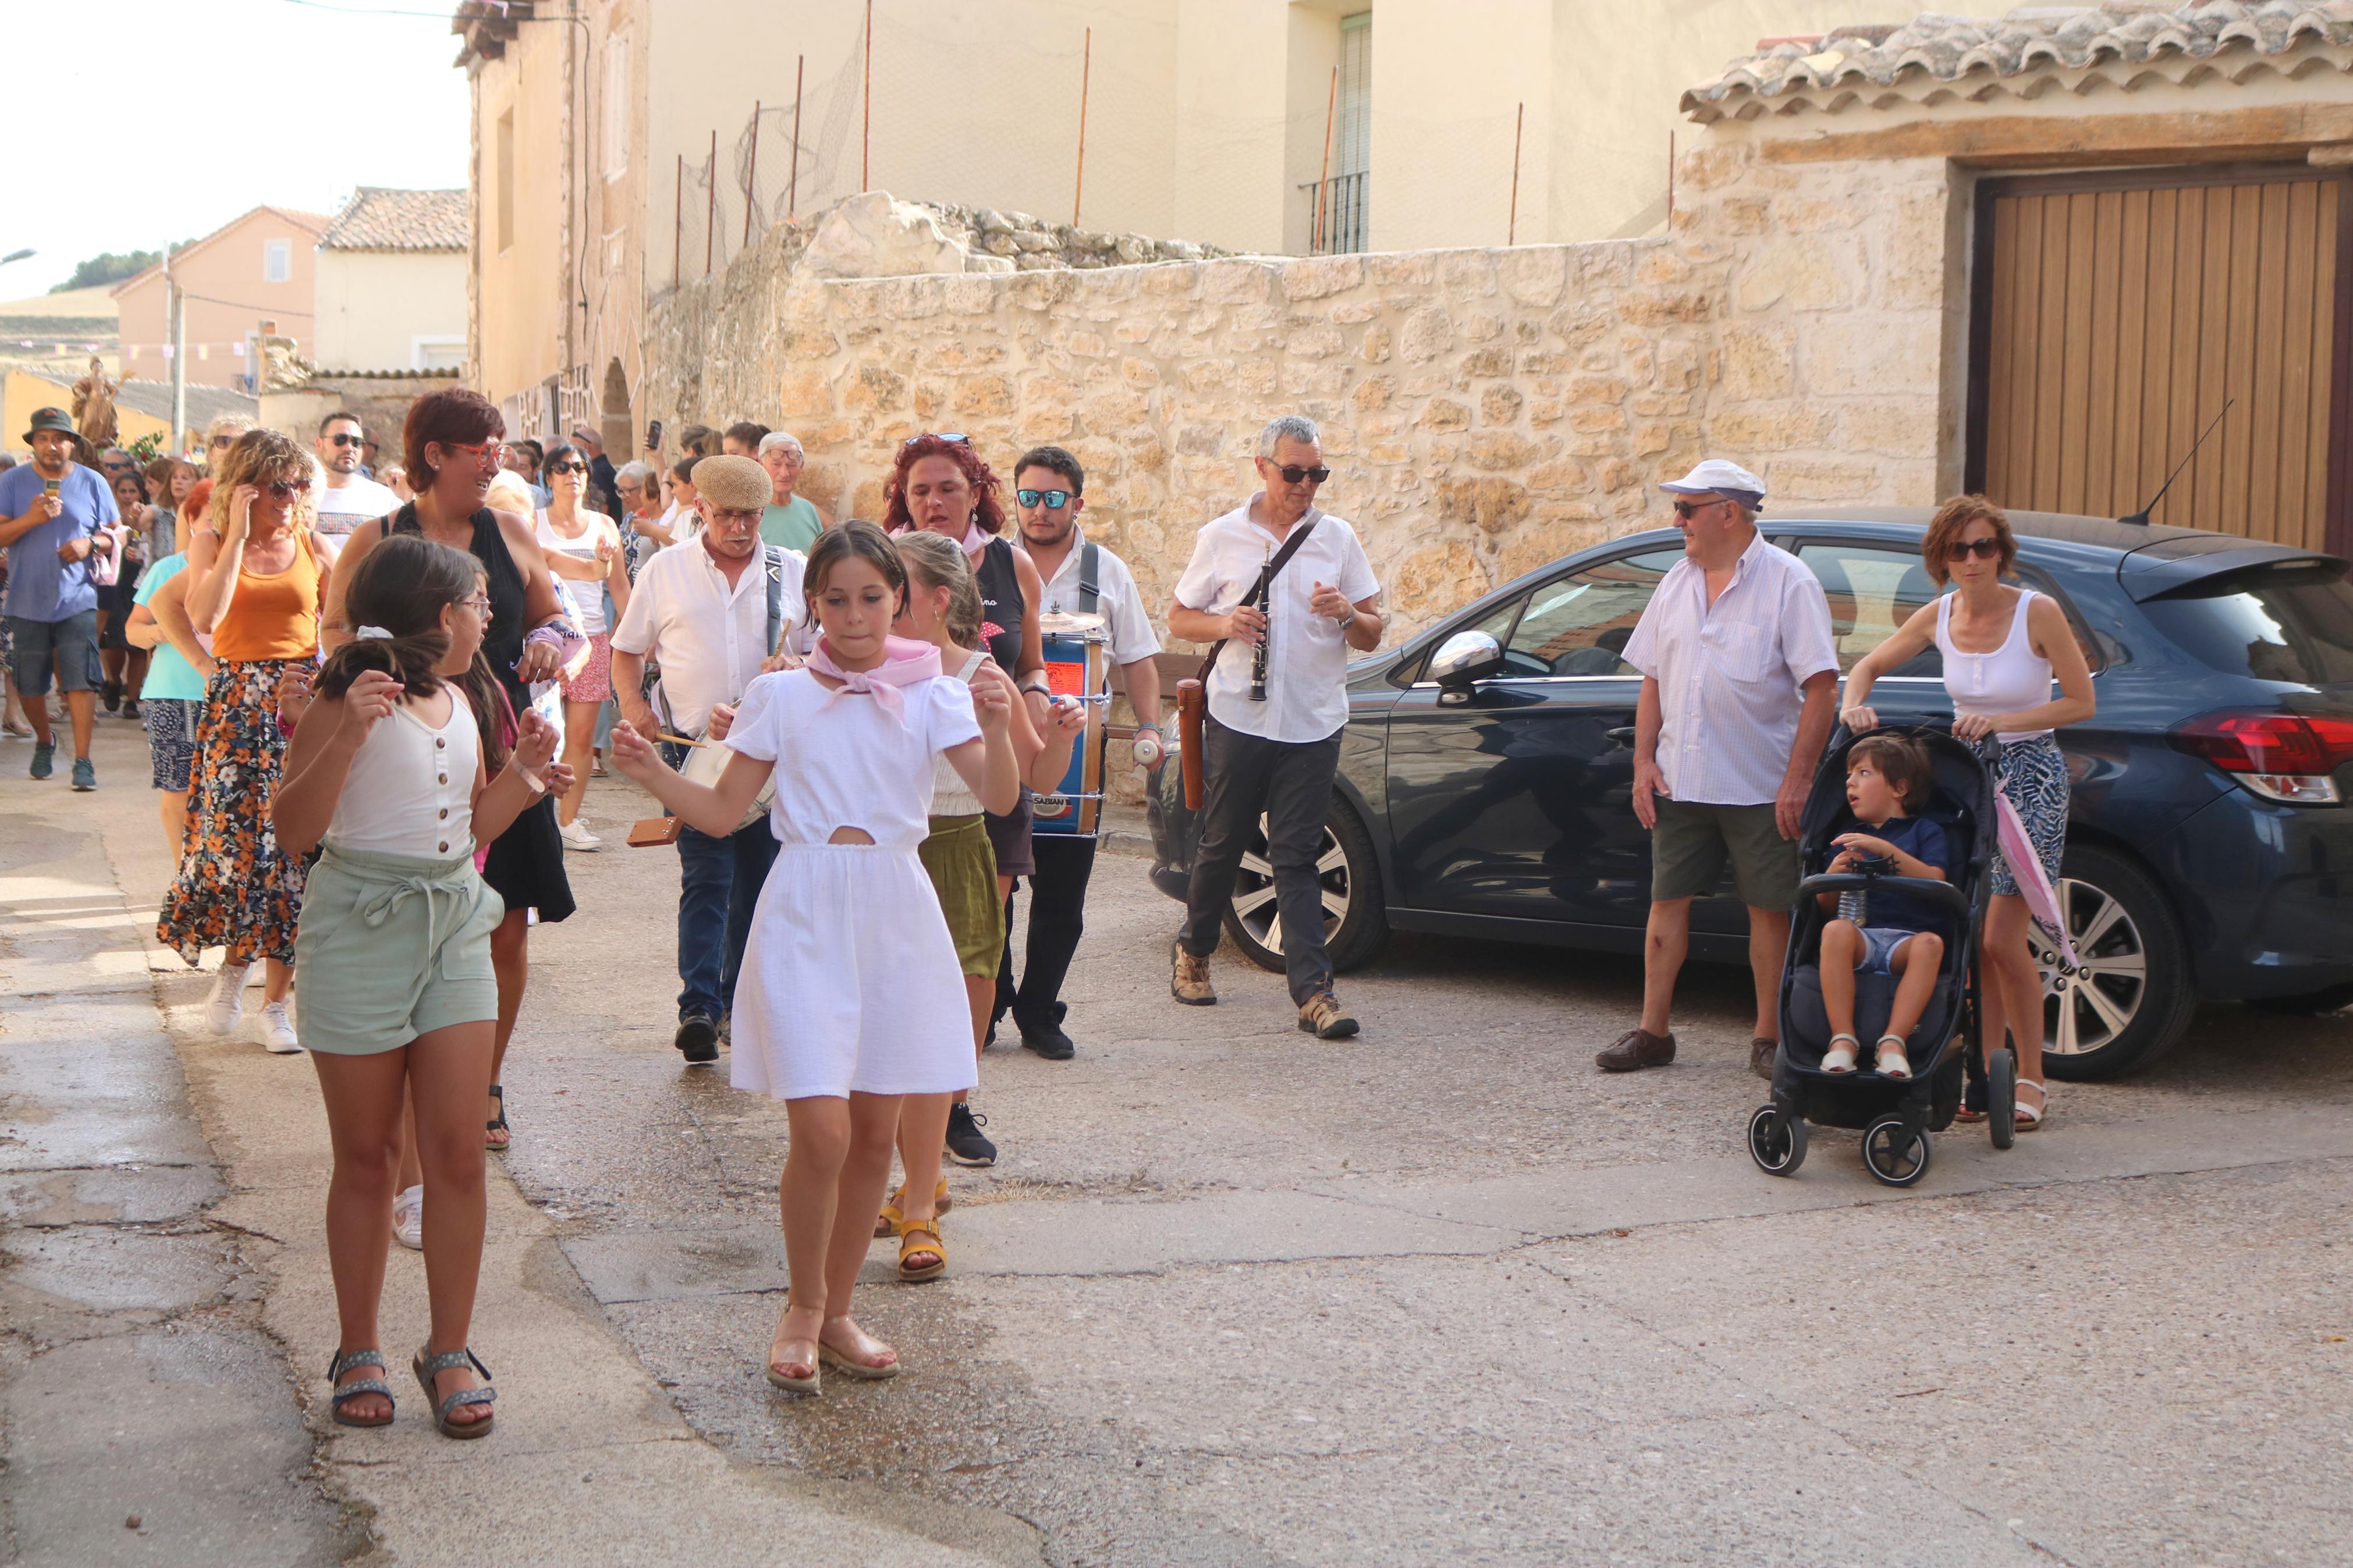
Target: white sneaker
x=408, y=1218
x=576, y=835
x=278, y=1031
x=227, y=1008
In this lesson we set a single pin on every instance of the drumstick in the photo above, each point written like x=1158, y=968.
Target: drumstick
x=678, y=740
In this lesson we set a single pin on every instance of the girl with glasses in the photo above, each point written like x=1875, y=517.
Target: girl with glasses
x=256, y=574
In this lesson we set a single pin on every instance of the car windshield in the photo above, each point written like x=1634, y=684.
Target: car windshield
x=2292, y=623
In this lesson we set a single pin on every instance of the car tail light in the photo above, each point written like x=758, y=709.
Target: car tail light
x=2281, y=756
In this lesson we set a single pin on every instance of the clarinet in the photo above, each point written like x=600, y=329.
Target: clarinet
x=1265, y=637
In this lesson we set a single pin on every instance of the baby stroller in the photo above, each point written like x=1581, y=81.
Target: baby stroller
x=1895, y=1115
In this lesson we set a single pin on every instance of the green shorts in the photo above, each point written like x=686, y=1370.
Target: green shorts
x=392, y=947
x=963, y=869
x=1689, y=847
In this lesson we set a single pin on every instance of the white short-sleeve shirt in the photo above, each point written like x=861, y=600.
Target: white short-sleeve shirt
x=1307, y=655
x=1729, y=674
x=709, y=636
x=845, y=760
x=1117, y=601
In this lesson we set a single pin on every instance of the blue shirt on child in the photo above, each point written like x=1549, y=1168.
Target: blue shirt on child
x=1923, y=840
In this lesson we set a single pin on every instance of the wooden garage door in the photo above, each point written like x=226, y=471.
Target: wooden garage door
x=2116, y=313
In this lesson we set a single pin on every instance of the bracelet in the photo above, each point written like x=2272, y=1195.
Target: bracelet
x=1140, y=729
x=1349, y=619
x=1038, y=684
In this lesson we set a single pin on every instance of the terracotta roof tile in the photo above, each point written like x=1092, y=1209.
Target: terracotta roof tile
x=1915, y=61
x=378, y=218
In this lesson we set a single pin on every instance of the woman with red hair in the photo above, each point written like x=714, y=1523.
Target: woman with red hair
x=940, y=485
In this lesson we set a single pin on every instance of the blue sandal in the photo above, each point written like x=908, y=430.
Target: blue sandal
x=428, y=1368
x=344, y=1363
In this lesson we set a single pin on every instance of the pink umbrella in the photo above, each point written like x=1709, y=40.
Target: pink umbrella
x=2026, y=870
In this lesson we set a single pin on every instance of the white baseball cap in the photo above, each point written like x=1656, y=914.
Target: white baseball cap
x=1717, y=476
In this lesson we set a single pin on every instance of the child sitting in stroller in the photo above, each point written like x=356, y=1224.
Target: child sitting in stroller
x=1895, y=933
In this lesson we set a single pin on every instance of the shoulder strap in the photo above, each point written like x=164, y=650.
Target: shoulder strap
x=1090, y=577
x=1275, y=564
x=772, y=556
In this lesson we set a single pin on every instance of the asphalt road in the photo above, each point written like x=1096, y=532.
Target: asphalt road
x=1443, y=1293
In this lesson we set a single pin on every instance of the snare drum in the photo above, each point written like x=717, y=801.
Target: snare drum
x=1077, y=664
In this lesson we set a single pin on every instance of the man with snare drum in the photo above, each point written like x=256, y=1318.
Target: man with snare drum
x=1083, y=578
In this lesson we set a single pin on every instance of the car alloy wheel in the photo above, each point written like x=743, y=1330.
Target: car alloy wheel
x=1254, y=888
x=1355, y=917
x=2091, y=1006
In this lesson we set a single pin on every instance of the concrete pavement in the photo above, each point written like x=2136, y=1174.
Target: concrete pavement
x=1233, y=1295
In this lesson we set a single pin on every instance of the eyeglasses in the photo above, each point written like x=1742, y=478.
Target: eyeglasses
x=1986, y=549
x=1054, y=500
x=342, y=439
x=567, y=467
x=734, y=519
x=287, y=490
x=958, y=437
x=220, y=441
x=1292, y=473
x=481, y=451
x=480, y=604
x=1687, y=509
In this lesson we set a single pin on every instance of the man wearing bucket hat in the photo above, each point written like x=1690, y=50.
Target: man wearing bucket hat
x=1739, y=680
x=50, y=510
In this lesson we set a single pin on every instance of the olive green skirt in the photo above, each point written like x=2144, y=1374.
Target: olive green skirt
x=964, y=873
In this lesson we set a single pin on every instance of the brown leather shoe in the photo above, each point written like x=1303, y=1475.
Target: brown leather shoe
x=1761, y=1052
x=1637, y=1049
x=1323, y=1017
x=1188, y=982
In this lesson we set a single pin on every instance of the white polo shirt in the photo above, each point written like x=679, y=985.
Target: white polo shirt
x=1729, y=675
x=709, y=638
x=1116, y=600
x=1307, y=656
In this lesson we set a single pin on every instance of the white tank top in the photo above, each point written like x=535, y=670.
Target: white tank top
x=587, y=598
x=410, y=790
x=949, y=796
x=2010, y=679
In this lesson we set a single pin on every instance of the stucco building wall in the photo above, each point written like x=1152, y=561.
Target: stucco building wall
x=377, y=306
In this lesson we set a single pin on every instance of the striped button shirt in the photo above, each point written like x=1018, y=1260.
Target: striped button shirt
x=1729, y=674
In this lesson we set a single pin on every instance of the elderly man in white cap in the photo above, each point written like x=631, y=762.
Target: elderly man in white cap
x=1739, y=676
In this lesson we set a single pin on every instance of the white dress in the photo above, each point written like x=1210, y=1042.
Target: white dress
x=851, y=982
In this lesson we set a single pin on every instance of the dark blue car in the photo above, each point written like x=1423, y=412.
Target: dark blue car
x=1484, y=779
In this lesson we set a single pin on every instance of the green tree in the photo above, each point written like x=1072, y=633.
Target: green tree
x=110, y=268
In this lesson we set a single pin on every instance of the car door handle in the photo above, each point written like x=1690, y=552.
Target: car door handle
x=1623, y=735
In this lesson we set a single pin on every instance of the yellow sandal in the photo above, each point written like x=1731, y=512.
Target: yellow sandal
x=935, y=1246
x=886, y=1224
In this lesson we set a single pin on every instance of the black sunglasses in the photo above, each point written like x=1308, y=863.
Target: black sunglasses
x=1687, y=509
x=567, y=467
x=1983, y=549
x=339, y=439
x=1055, y=500
x=287, y=490
x=1292, y=473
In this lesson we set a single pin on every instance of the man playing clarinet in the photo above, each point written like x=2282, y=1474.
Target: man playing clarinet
x=1277, y=703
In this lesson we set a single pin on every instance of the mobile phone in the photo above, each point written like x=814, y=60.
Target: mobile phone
x=653, y=436
x=48, y=487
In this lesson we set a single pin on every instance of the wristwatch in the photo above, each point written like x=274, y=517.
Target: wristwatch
x=1349, y=619
x=1037, y=682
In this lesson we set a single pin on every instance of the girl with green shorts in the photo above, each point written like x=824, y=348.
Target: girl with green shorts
x=391, y=777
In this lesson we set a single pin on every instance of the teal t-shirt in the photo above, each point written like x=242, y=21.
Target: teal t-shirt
x=795, y=525
x=169, y=675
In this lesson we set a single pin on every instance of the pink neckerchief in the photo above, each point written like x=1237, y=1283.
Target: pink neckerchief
x=905, y=661
x=974, y=539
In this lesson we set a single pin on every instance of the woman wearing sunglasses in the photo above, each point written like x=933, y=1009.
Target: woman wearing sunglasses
x=583, y=547
x=2002, y=645
x=256, y=572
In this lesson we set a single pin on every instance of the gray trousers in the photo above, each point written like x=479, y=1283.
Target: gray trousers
x=1291, y=782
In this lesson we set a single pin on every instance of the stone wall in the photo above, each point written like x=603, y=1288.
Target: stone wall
x=1485, y=410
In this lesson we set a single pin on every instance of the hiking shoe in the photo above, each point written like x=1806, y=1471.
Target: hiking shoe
x=967, y=1146
x=1323, y=1017
x=1761, y=1052
x=85, y=777
x=576, y=835
x=278, y=1031
x=226, y=1009
x=1050, y=1043
x=727, y=1029
x=697, y=1039
x=1637, y=1049
x=45, y=758
x=1188, y=982
x=408, y=1218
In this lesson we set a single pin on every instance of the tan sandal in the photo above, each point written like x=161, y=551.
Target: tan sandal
x=886, y=1224
x=850, y=1365
x=936, y=1245
x=777, y=1376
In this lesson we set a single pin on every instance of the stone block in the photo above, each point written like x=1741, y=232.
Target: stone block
x=1320, y=341
x=873, y=236
x=1427, y=334
x=1089, y=345
x=1661, y=265
x=1495, y=451
x=1660, y=404
x=1590, y=419
x=803, y=343
x=1375, y=347
x=984, y=397
x=1438, y=577
x=1561, y=476
x=1467, y=275
x=1759, y=362
x=1308, y=378
x=1202, y=441
x=1616, y=474
x=1139, y=373
x=874, y=387
x=1040, y=421
x=1402, y=270
x=1872, y=354
x=1207, y=377
x=1743, y=214
x=1443, y=414
x=1481, y=327
x=1889, y=426
x=1488, y=361
x=1498, y=406
x=1713, y=163
x=1595, y=389
x=1542, y=542
x=1372, y=393
x=1237, y=282
x=1680, y=360
x=1169, y=282
x=1913, y=251
x=1534, y=275
x=1355, y=313
x=1821, y=480
x=1316, y=276
x=805, y=393
x=1664, y=307
x=970, y=295
x=1804, y=274
x=1580, y=325
x=1493, y=506
x=1255, y=377
x=1807, y=214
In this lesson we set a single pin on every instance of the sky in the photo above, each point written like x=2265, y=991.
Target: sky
x=168, y=118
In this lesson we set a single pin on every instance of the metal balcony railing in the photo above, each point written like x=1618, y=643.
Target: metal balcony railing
x=1336, y=210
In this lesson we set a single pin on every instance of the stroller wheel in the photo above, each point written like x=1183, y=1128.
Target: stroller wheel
x=1775, y=1143
x=1889, y=1158
x=2001, y=1096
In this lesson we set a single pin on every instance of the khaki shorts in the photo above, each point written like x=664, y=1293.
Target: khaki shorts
x=1689, y=847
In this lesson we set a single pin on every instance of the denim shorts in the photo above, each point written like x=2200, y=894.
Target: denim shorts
x=73, y=641
x=1879, y=945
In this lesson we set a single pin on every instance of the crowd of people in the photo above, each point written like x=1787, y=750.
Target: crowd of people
x=374, y=702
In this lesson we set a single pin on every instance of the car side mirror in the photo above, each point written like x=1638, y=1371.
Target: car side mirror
x=1461, y=661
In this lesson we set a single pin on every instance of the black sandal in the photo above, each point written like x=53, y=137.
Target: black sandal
x=498, y=1123
x=428, y=1369
x=342, y=1363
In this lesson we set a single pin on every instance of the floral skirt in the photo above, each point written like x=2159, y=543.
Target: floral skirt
x=236, y=889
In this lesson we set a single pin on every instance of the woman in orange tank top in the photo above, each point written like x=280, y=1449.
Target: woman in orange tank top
x=256, y=578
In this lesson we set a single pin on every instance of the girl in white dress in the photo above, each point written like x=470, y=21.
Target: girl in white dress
x=851, y=997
